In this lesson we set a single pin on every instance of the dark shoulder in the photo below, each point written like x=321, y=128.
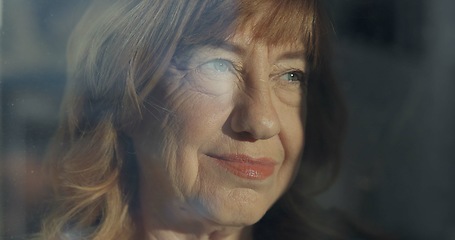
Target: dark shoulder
x=312, y=222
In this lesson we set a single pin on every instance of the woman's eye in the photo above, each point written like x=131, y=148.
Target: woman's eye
x=215, y=77
x=218, y=69
x=220, y=65
x=294, y=76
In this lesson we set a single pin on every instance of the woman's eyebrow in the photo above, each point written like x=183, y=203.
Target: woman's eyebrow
x=230, y=47
x=300, y=55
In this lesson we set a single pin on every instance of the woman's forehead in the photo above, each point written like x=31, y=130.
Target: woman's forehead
x=246, y=34
x=276, y=22
x=244, y=43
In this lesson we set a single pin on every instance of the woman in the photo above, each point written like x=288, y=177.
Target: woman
x=187, y=119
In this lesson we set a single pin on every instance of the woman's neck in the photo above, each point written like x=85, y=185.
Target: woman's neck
x=167, y=220
x=153, y=228
x=220, y=234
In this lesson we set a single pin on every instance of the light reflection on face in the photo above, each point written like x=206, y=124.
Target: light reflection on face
x=226, y=139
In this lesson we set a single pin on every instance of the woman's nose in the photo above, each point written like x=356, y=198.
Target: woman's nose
x=255, y=114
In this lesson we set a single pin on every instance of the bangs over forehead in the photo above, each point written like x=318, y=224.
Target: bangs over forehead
x=272, y=21
x=278, y=21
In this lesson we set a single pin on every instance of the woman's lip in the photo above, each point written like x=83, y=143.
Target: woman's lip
x=245, y=166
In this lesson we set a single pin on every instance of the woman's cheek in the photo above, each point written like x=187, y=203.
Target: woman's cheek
x=202, y=116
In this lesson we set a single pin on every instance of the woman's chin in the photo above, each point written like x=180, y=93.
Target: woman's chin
x=239, y=207
x=236, y=219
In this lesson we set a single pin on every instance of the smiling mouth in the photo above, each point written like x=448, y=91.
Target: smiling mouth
x=245, y=166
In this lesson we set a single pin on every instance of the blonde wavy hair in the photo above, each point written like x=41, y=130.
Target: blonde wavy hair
x=116, y=56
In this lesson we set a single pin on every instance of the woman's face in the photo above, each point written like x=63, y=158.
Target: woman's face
x=223, y=134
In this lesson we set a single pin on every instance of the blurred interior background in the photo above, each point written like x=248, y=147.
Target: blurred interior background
x=395, y=60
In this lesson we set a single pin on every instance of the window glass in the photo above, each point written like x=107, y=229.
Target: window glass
x=394, y=60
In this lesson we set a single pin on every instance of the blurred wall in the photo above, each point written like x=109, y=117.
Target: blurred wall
x=33, y=45
x=396, y=63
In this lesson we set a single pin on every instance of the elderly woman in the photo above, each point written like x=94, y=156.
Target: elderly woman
x=196, y=119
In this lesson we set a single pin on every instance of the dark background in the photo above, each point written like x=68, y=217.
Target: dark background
x=395, y=60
